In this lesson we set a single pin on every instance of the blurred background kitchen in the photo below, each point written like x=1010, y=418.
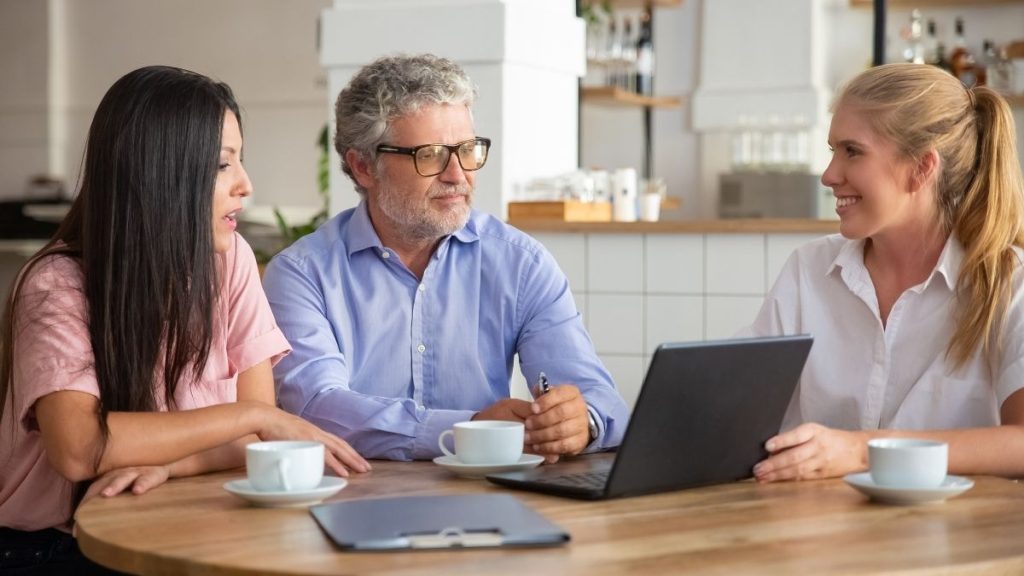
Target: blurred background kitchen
x=693, y=116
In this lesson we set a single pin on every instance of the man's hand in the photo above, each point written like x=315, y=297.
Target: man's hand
x=812, y=451
x=558, y=424
x=511, y=409
x=339, y=456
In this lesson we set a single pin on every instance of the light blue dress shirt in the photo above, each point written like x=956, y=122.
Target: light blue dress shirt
x=388, y=362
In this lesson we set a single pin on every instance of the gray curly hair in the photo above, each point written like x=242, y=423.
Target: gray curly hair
x=390, y=88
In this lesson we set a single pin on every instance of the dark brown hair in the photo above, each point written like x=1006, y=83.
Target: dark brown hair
x=141, y=230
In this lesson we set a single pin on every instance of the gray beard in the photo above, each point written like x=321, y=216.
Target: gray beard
x=418, y=222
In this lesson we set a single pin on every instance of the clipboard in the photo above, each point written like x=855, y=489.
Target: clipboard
x=435, y=522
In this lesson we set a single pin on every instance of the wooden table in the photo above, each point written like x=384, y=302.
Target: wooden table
x=193, y=526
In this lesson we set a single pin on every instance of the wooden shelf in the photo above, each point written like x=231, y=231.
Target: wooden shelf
x=639, y=3
x=933, y=3
x=612, y=96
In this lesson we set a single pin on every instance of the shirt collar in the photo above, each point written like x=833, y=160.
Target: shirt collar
x=360, y=234
x=949, y=261
x=851, y=256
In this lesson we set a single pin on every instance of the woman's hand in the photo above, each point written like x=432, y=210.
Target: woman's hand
x=140, y=479
x=276, y=424
x=812, y=451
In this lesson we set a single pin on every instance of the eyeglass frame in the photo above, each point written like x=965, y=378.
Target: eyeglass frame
x=452, y=151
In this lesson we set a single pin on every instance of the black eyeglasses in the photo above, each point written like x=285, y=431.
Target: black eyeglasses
x=432, y=159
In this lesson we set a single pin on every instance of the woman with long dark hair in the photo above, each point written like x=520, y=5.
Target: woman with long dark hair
x=137, y=344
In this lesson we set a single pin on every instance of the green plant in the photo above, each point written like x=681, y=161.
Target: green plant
x=290, y=233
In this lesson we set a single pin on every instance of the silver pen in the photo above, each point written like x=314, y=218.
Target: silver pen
x=542, y=384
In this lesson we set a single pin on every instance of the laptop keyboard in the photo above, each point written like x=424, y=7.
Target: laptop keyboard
x=590, y=480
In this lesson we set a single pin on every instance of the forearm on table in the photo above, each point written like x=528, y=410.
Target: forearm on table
x=377, y=427
x=190, y=439
x=223, y=457
x=993, y=451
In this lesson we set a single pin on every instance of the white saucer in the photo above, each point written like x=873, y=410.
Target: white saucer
x=950, y=487
x=328, y=487
x=480, y=470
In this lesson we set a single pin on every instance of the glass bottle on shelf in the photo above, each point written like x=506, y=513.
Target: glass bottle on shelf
x=914, y=49
x=613, y=53
x=645, y=57
x=999, y=70
x=940, y=58
x=741, y=144
x=931, y=44
x=961, y=61
x=629, y=56
x=596, y=18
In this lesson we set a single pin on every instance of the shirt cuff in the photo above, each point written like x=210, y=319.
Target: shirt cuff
x=425, y=446
x=595, y=446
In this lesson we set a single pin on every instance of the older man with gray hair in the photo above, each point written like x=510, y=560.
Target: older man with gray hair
x=405, y=313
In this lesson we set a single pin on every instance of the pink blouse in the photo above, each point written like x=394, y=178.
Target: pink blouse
x=52, y=352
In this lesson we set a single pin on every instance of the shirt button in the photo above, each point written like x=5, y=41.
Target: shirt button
x=421, y=348
x=423, y=288
x=385, y=254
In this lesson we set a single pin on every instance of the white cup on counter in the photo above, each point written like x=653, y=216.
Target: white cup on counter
x=624, y=195
x=650, y=207
x=284, y=466
x=485, y=442
x=907, y=462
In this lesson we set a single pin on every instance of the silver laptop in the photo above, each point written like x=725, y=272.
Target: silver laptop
x=703, y=415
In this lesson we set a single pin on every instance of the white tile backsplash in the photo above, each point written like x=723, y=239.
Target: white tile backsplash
x=518, y=386
x=636, y=291
x=727, y=315
x=779, y=247
x=569, y=250
x=674, y=263
x=615, y=263
x=581, y=307
x=616, y=322
x=735, y=264
x=628, y=374
x=672, y=319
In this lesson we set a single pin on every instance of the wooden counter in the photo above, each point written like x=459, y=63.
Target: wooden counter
x=719, y=226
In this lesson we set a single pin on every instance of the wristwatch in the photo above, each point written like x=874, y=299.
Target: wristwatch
x=591, y=426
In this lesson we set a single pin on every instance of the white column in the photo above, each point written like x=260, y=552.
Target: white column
x=524, y=55
x=760, y=58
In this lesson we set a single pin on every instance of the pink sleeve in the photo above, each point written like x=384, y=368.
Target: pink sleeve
x=52, y=351
x=253, y=335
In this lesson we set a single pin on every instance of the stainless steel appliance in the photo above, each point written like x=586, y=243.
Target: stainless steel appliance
x=769, y=194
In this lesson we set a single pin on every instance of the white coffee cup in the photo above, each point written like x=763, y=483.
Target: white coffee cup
x=908, y=462
x=650, y=207
x=284, y=466
x=485, y=442
x=624, y=195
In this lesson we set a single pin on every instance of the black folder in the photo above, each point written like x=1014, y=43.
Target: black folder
x=423, y=522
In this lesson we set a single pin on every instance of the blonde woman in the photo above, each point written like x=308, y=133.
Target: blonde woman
x=916, y=307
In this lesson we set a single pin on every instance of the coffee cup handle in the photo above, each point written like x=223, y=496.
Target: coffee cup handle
x=282, y=473
x=440, y=443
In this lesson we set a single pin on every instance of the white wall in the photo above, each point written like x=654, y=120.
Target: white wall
x=24, y=109
x=636, y=291
x=265, y=49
